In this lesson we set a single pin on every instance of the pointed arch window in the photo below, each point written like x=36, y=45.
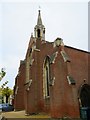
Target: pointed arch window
x=46, y=78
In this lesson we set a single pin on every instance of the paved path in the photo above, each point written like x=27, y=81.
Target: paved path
x=21, y=114
x=0, y=115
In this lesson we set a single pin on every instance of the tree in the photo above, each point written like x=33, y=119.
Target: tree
x=2, y=73
x=4, y=84
x=7, y=92
x=1, y=100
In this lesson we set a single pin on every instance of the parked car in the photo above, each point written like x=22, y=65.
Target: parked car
x=6, y=107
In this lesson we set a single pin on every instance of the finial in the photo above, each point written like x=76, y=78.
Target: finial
x=39, y=9
x=39, y=20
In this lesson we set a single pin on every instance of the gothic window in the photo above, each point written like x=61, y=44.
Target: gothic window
x=38, y=33
x=85, y=95
x=46, y=79
x=84, y=102
x=27, y=69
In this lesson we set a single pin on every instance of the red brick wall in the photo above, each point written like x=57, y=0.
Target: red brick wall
x=79, y=65
x=31, y=95
x=19, y=97
x=63, y=101
x=35, y=101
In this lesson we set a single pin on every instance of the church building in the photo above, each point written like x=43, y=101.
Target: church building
x=53, y=78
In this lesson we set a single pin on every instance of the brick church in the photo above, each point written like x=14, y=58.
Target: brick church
x=53, y=78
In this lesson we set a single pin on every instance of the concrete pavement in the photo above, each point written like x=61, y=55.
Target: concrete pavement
x=21, y=114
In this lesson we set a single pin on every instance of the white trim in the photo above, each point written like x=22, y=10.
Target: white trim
x=16, y=90
x=38, y=50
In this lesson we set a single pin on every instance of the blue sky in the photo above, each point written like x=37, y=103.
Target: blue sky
x=68, y=20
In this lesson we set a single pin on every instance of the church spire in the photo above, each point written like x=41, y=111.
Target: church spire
x=39, y=29
x=39, y=21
